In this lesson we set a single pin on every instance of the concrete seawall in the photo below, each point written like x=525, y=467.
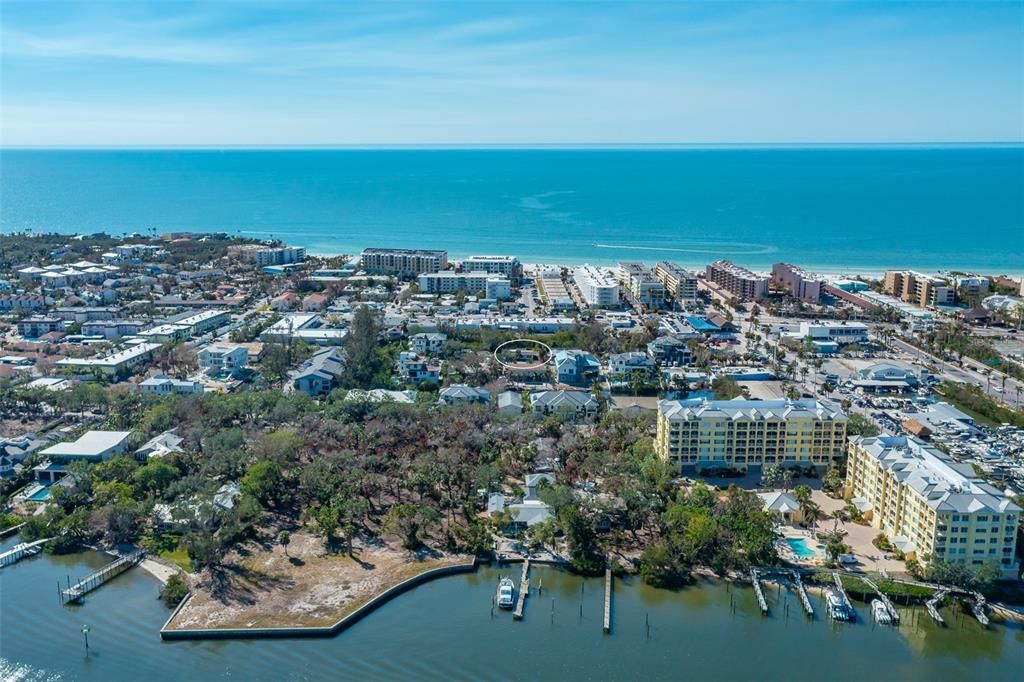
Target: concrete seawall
x=168, y=633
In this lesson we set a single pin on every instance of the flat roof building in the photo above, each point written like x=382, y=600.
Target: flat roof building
x=644, y=288
x=797, y=282
x=93, y=446
x=738, y=281
x=918, y=288
x=680, y=284
x=598, y=286
x=403, y=262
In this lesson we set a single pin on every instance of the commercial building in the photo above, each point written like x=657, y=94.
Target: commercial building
x=281, y=255
x=797, y=282
x=738, y=281
x=507, y=266
x=680, y=284
x=838, y=333
x=112, y=329
x=308, y=327
x=403, y=262
x=918, y=288
x=929, y=505
x=598, y=286
x=642, y=285
x=701, y=434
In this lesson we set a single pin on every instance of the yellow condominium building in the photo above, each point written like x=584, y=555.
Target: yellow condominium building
x=738, y=434
x=930, y=505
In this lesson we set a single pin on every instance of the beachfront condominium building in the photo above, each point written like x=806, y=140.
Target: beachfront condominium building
x=929, y=505
x=918, y=288
x=597, y=286
x=403, y=262
x=797, y=282
x=280, y=255
x=508, y=266
x=680, y=284
x=450, y=282
x=738, y=281
x=641, y=284
x=699, y=434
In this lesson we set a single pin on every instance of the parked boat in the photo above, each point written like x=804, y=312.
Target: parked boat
x=838, y=607
x=880, y=612
x=506, y=593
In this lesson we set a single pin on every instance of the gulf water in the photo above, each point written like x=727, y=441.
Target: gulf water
x=835, y=209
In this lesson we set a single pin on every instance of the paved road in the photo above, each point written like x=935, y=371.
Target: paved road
x=969, y=374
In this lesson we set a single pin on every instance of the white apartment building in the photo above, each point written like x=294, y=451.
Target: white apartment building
x=449, y=282
x=508, y=266
x=215, y=359
x=598, y=286
x=280, y=255
x=403, y=262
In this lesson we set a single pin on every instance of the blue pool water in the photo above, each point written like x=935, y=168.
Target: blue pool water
x=800, y=548
x=40, y=495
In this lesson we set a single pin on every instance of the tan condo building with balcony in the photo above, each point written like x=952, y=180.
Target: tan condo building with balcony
x=929, y=505
x=918, y=288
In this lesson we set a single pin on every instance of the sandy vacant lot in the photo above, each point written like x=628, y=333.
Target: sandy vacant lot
x=262, y=587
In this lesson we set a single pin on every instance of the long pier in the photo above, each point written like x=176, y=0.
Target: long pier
x=761, y=601
x=893, y=613
x=524, y=591
x=607, y=600
x=20, y=551
x=933, y=605
x=75, y=593
x=802, y=591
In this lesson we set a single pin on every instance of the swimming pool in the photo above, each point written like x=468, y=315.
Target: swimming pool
x=40, y=495
x=800, y=548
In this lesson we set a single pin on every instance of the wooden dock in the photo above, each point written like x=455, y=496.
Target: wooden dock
x=978, y=609
x=842, y=593
x=761, y=601
x=74, y=593
x=893, y=613
x=607, y=600
x=22, y=550
x=524, y=591
x=933, y=605
x=802, y=591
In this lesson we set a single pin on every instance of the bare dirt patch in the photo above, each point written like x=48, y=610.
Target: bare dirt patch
x=261, y=587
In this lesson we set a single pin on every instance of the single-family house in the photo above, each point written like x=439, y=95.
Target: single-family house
x=670, y=351
x=318, y=375
x=578, y=403
x=427, y=342
x=576, y=367
x=459, y=394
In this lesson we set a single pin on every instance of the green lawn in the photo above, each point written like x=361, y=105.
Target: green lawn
x=178, y=557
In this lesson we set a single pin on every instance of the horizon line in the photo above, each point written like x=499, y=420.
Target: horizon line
x=653, y=146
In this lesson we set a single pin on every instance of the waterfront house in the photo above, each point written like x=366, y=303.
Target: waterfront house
x=576, y=367
x=670, y=351
x=625, y=364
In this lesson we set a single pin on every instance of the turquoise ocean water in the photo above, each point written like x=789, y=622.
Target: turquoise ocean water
x=830, y=208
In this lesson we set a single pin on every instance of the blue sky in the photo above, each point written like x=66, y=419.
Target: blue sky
x=169, y=73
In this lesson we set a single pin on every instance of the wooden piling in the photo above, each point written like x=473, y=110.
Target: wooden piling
x=607, y=600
